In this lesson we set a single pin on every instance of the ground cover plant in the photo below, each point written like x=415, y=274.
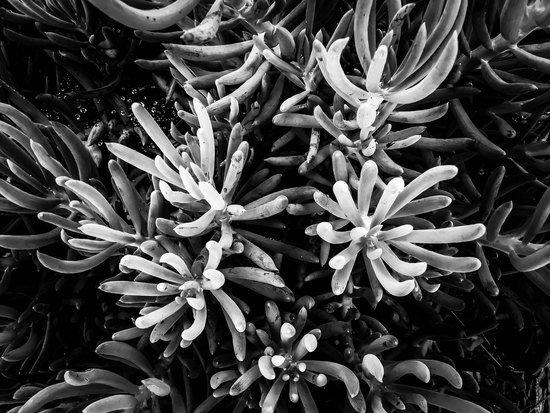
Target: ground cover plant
x=275, y=206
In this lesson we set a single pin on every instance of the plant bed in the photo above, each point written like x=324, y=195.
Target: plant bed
x=277, y=206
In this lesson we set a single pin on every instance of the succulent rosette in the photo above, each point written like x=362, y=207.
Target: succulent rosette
x=385, y=86
x=180, y=289
x=183, y=287
x=188, y=178
x=109, y=390
x=377, y=235
x=92, y=215
x=283, y=106
x=286, y=359
x=386, y=395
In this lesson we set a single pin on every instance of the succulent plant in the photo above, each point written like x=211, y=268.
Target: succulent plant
x=369, y=238
x=208, y=287
x=30, y=166
x=111, y=391
x=385, y=394
x=517, y=21
x=286, y=359
x=101, y=221
x=199, y=176
x=191, y=286
x=75, y=39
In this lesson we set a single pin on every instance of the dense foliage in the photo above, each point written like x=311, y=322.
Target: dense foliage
x=274, y=205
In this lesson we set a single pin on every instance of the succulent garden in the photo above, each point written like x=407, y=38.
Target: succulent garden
x=274, y=205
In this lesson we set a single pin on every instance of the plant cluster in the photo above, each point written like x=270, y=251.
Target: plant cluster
x=350, y=211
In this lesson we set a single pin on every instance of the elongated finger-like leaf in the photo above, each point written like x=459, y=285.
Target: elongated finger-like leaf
x=538, y=218
x=497, y=219
x=323, y=60
x=283, y=294
x=93, y=198
x=391, y=284
x=421, y=183
x=26, y=125
x=340, y=278
x=59, y=221
x=372, y=366
x=410, y=269
x=73, y=267
x=324, y=201
x=125, y=353
x=238, y=339
x=199, y=323
x=423, y=205
x=367, y=179
x=531, y=262
x=48, y=162
x=136, y=18
x=245, y=381
x=157, y=135
x=139, y=161
x=444, y=262
x=445, y=235
x=22, y=175
x=108, y=234
x=272, y=397
x=278, y=246
x=336, y=370
x=83, y=160
x=175, y=197
x=197, y=227
x=232, y=310
x=444, y=370
x=414, y=367
x=58, y=391
x=158, y=315
x=17, y=154
x=113, y=403
x=346, y=202
x=327, y=233
x=133, y=288
x=30, y=242
x=131, y=199
x=141, y=264
x=442, y=400
x=25, y=200
x=253, y=274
